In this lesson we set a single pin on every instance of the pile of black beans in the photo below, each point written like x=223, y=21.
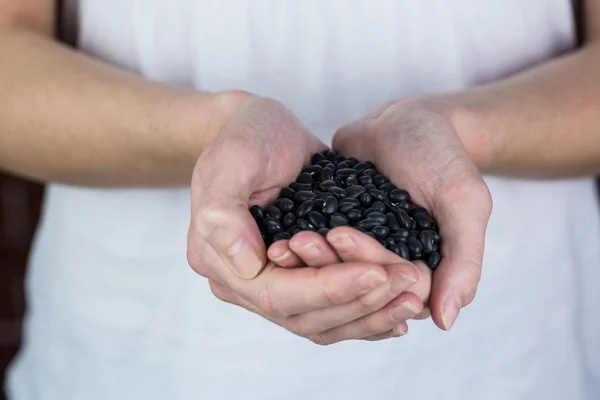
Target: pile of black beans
x=338, y=191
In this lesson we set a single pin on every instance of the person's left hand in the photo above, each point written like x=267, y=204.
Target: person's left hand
x=417, y=147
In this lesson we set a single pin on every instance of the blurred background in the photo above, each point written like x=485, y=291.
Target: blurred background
x=19, y=213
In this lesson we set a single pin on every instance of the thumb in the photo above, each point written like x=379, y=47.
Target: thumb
x=221, y=189
x=463, y=222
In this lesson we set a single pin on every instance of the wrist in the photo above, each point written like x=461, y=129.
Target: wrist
x=469, y=124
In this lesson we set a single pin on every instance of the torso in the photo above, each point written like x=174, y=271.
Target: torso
x=116, y=313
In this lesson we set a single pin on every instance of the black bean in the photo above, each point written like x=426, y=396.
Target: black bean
x=288, y=220
x=378, y=216
x=305, y=208
x=319, y=203
x=304, y=178
x=294, y=230
x=273, y=212
x=271, y=226
x=389, y=240
x=312, y=170
x=402, y=216
x=403, y=251
x=337, y=220
x=257, y=212
x=369, y=172
x=287, y=192
x=413, y=233
x=281, y=236
x=351, y=181
x=284, y=204
x=423, y=220
x=322, y=196
x=354, y=214
x=350, y=200
x=381, y=232
x=369, y=211
x=417, y=210
x=370, y=187
x=362, y=166
x=330, y=206
x=358, y=228
x=379, y=180
x=326, y=174
x=434, y=260
x=345, y=164
x=404, y=205
x=298, y=187
x=317, y=157
x=387, y=187
x=436, y=237
x=355, y=190
x=413, y=224
x=391, y=222
x=323, y=163
x=368, y=223
x=365, y=199
x=305, y=225
x=426, y=239
x=379, y=206
x=414, y=247
x=331, y=156
x=398, y=195
x=303, y=195
x=365, y=180
x=377, y=194
x=317, y=219
x=371, y=234
x=345, y=208
x=325, y=185
x=345, y=172
x=323, y=231
x=339, y=181
x=400, y=235
x=337, y=192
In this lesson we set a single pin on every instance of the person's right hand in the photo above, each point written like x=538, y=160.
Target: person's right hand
x=260, y=150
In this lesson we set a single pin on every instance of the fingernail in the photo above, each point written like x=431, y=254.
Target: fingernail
x=400, y=330
x=400, y=282
x=311, y=251
x=243, y=259
x=370, y=280
x=450, y=312
x=403, y=311
x=343, y=241
x=283, y=256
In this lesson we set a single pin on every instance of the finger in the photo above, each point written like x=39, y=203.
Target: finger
x=313, y=249
x=224, y=294
x=406, y=306
x=463, y=221
x=400, y=330
x=401, y=278
x=282, y=292
x=353, y=245
x=281, y=255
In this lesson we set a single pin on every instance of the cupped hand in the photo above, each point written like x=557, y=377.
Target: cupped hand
x=377, y=315
x=261, y=149
x=417, y=147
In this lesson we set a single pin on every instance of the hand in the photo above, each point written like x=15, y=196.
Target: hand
x=260, y=150
x=416, y=145
x=380, y=314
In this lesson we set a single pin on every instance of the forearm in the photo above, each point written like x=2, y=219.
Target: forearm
x=68, y=118
x=542, y=123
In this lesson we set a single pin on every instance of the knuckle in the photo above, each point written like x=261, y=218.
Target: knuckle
x=364, y=306
x=268, y=305
x=300, y=327
x=369, y=327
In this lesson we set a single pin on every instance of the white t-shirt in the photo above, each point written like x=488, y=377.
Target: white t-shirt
x=115, y=312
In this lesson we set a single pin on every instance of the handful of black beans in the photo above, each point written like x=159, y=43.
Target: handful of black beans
x=338, y=191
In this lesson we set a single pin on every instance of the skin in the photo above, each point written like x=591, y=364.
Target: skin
x=150, y=134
